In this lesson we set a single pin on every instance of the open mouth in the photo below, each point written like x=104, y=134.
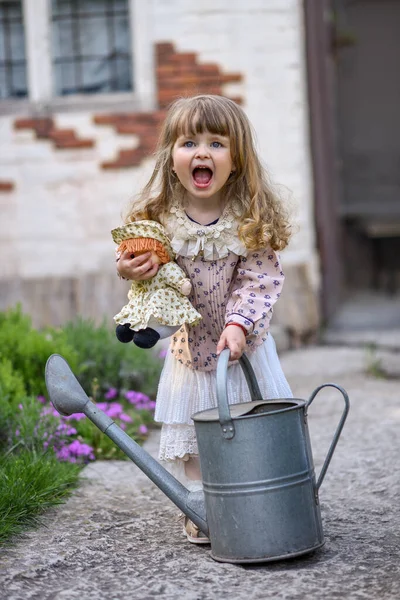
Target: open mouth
x=202, y=176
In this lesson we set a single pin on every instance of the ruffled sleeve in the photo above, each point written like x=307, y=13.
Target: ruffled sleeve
x=256, y=287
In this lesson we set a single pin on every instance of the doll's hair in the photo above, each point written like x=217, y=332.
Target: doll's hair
x=263, y=219
x=145, y=245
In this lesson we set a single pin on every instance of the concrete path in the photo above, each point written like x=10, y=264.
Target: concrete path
x=117, y=537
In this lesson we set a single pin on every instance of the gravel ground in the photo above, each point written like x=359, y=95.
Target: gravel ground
x=118, y=537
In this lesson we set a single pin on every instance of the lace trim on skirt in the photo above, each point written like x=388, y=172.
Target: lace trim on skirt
x=177, y=441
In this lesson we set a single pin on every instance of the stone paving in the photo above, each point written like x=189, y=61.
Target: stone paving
x=118, y=536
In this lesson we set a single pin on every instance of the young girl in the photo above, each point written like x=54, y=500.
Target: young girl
x=211, y=193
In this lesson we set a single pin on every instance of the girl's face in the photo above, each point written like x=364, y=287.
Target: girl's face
x=202, y=163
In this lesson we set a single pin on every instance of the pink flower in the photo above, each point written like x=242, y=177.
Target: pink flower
x=112, y=393
x=126, y=418
x=143, y=429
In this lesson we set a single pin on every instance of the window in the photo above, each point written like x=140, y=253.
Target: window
x=91, y=46
x=76, y=53
x=12, y=51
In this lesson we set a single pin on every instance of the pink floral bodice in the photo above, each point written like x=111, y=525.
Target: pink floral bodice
x=229, y=284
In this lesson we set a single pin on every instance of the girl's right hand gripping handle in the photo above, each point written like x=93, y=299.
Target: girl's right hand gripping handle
x=338, y=430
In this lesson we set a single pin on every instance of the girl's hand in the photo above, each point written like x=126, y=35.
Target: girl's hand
x=233, y=338
x=139, y=268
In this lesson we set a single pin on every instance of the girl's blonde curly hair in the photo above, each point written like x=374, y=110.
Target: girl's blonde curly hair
x=263, y=219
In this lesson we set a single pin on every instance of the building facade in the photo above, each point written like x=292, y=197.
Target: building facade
x=83, y=89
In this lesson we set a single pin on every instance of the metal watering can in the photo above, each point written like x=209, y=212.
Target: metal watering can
x=260, y=500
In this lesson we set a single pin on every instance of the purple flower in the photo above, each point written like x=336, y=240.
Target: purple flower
x=131, y=396
x=143, y=429
x=76, y=452
x=113, y=410
x=138, y=399
x=76, y=416
x=41, y=399
x=112, y=393
x=125, y=418
x=65, y=429
x=49, y=410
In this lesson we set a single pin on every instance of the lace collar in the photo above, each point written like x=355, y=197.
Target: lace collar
x=190, y=239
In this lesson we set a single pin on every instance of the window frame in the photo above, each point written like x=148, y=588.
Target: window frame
x=41, y=99
x=9, y=62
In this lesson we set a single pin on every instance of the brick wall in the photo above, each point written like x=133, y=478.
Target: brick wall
x=45, y=129
x=6, y=186
x=181, y=73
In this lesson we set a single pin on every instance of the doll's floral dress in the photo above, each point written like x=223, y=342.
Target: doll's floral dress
x=158, y=298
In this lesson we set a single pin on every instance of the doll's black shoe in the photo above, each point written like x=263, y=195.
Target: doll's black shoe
x=124, y=333
x=146, y=338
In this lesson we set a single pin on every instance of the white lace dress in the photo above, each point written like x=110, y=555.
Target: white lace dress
x=230, y=284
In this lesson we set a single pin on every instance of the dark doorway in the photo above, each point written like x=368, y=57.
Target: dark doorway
x=353, y=47
x=367, y=34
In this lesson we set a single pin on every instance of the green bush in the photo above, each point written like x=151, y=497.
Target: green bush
x=12, y=387
x=122, y=377
x=41, y=453
x=103, y=362
x=93, y=352
x=12, y=393
x=28, y=349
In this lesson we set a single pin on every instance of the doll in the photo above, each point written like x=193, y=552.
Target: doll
x=159, y=306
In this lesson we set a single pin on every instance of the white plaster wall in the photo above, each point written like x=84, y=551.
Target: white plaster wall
x=58, y=219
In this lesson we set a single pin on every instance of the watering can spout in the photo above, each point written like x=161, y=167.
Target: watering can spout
x=68, y=397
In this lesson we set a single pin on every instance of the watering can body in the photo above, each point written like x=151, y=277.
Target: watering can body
x=259, y=487
x=260, y=498
x=260, y=491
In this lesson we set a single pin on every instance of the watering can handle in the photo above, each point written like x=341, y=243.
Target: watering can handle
x=225, y=419
x=338, y=430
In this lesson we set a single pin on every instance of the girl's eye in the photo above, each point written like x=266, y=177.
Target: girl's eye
x=216, y=145
x=188, y=144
